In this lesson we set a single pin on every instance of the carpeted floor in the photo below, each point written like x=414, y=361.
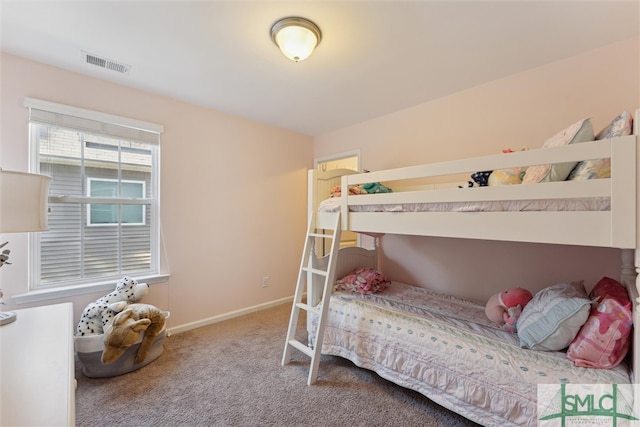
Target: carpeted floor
x=229, y=374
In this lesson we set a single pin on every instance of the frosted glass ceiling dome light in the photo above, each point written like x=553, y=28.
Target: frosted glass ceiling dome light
x=296, y=37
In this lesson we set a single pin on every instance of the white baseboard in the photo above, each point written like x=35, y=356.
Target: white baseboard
x=226, y=316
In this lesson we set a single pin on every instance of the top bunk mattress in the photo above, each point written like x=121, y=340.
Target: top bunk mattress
x=547, y=205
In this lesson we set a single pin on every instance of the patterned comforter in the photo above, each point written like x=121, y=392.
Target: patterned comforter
x=445, y=348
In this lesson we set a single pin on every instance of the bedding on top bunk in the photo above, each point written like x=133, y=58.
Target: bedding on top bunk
x=445, y=348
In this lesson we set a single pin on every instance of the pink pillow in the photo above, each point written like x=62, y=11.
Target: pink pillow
x=604, y=339
x=608, y=287
x=364, y=281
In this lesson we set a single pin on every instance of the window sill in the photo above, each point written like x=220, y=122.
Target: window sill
x=72, y=291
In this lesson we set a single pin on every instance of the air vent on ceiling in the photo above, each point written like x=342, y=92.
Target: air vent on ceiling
x=109, y=64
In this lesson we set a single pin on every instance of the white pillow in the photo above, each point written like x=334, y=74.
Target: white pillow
x=581, y=131
x=553, y=318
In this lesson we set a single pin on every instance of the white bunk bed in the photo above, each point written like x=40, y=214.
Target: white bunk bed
x=612, y=223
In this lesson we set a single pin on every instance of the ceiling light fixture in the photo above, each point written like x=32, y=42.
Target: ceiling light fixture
x=296, y=37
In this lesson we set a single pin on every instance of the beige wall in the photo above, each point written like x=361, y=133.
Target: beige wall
x=222, y=231
x=523, y=109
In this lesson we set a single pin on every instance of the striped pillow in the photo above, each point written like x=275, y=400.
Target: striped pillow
x=554, y=316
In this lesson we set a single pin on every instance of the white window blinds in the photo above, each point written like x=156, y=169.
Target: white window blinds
x=54, y=114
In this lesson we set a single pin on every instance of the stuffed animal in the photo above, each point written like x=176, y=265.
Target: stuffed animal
x=505, y=307
x=126, y=328
x=478, y=179
x=375, y=187
x=97, y=314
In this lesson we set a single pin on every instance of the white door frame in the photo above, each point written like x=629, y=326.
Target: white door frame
x=338, y=156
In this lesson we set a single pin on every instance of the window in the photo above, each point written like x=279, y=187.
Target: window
x=102, y=214
x=103, y=197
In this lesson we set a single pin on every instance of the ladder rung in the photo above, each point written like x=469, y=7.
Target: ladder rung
x=315, y=271
x=302, y=347
x=325, y=236
x=309, y=308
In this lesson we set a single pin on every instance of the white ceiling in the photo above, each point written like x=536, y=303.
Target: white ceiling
x=375, y=57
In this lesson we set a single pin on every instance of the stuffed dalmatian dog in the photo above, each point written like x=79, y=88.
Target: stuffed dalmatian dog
x=98, y=314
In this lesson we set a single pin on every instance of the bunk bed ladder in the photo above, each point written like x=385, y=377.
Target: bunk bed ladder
x=309, y=271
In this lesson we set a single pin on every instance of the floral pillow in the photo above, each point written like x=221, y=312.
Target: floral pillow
x=604, y=340
x=364, y=281
x=506, y=176
x=601, y=168
x=581, y=131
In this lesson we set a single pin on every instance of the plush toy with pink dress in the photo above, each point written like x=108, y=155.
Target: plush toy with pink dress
x=505, y=307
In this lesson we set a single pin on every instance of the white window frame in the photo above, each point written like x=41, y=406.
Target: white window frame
x=106, y=122
x=143, y=208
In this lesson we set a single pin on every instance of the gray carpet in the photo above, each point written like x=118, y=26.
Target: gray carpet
x=229, y=374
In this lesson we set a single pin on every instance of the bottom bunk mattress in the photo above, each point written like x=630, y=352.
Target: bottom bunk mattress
x=445, y=348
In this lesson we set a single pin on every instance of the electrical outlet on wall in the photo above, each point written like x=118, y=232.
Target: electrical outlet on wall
x=266, y=281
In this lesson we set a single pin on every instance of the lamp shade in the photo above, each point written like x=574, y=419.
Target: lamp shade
x=23, y=202
x=296, y=37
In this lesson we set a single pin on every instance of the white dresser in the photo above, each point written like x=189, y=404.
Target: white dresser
x=37, y=368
